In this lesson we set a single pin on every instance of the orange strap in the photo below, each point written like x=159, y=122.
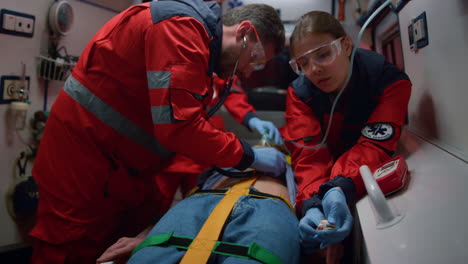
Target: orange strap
x=202, y=246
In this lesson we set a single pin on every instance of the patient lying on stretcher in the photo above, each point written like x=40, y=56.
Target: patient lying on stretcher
x=261, y=227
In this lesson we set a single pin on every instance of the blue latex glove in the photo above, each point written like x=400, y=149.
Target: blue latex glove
x=307, y=229
x=269, y=160
x=337, y=212
x=266, y=127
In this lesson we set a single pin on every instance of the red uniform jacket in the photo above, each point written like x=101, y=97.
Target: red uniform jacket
x=184, y=171
x=365, y=128
x=137, y=95
x=237, y=102
x=237, y=105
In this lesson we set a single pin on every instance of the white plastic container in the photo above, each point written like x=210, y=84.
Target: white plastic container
x=19, y=111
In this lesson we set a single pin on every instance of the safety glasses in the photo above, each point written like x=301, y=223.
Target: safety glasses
x=320, y=56
x=257, y=56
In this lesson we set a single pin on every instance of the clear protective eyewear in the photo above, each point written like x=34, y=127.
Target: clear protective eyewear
x=258, y=58
x=321, y=56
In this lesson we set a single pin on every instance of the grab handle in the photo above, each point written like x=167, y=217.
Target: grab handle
x=385, y=216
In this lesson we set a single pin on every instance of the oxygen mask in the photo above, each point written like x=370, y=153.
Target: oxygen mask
x=266, y=142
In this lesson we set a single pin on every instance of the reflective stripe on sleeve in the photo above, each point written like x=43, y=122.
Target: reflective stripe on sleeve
x=158, y=79
x=161, y=114
x=112, y=118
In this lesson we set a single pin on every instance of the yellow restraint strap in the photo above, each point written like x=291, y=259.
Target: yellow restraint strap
x=203, y=244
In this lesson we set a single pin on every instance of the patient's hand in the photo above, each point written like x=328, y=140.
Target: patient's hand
x=120, y=251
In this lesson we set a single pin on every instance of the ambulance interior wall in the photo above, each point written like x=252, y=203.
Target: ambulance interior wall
x=434, y=144
x=17, y=49
x=437, y=110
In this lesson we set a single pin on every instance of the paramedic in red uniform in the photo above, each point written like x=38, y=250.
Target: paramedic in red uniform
x=137, y=96
x=183, y=172
x=365, y=128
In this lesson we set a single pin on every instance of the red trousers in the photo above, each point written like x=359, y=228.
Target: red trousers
x=60, y=240
x=71, y=253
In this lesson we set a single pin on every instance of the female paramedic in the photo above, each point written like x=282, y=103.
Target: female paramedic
x=364, y=128
x=137, y=95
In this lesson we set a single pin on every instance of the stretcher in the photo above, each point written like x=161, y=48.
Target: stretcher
x=206, y=242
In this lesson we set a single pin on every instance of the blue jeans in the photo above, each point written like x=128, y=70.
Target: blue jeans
x=268, y=222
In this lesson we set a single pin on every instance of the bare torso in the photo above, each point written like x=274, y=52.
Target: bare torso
x=264, y=184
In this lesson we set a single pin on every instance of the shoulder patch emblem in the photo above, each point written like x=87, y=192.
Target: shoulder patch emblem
x=378, y=131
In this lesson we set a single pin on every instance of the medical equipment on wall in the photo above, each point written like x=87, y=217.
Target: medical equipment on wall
x=19, y=107
x=19, y=110
x=58, y=64
x=22, y=196
x=61, y=17
x=38, y=125
x=392, y=175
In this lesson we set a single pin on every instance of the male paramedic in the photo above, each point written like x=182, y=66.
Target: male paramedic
x=137, y=95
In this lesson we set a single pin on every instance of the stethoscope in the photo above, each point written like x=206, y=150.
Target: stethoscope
x=215, y=108
x=227, y=86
